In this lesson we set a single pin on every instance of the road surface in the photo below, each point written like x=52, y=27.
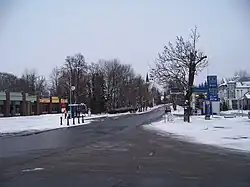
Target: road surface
x=117, y=152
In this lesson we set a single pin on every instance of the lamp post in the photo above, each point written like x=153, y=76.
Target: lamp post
x=241, y=102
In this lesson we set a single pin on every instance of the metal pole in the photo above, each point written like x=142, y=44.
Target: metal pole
x=241, y=103
x=70, y=94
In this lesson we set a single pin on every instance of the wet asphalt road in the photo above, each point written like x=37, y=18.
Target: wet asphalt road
x=117, y=152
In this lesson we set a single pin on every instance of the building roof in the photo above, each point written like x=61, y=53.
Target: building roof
x=247, y=95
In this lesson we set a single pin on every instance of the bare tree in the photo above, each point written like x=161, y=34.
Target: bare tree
x=41, y=86
x=54, y=81
x=33, y=83
x=241, y=73
x=180, y=63
x=10, y=82
x=75, y=70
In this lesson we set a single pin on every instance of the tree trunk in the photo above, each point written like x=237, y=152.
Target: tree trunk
x=187, y=109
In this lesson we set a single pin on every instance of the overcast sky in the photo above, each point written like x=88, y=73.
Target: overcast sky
x=40, y=34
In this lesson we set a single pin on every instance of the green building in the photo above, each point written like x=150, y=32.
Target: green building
x=18, y=103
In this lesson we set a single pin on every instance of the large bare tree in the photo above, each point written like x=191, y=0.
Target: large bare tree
x=179, y=63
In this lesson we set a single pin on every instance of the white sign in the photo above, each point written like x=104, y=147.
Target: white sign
x=73, y=88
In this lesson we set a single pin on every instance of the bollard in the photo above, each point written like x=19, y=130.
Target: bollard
x=73, y=120
x=61, y=120
x=68, y=121
x=82, y=119
x=78, y=117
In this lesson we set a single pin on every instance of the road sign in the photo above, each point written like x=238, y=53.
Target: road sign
x=200, y=90
x=212, y=81
x=212, y=88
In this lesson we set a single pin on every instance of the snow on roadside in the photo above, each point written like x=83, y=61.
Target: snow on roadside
x=230, y=133
x=234, y=112
x=179, y=110
x=96, y=116
x=31, y=124
x=28, y=124
x=150, y=109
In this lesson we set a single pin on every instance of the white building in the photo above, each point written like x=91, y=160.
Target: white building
x=235, y=92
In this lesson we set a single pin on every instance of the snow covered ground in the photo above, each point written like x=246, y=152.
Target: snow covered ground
x=231, y=133
x=31, y=124
x=150, y=109
x=237, y=112
x=179, y=110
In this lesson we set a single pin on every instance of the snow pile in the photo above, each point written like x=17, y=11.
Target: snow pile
x=29, y=124
x=150, y=109
x=179, y=110
x=96, y=116
x=230, y=133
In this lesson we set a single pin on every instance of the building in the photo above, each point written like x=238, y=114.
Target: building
x=17, y=103
x=234, y=93
x=51, y=105
x=23, y=104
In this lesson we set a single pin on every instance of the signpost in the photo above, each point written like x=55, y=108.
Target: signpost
x=212, y=88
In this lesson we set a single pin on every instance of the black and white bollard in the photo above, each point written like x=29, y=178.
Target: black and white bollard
x=61, y=120
x=78, y=117
x=82, y=119
x=73, y=120
x=68, y=121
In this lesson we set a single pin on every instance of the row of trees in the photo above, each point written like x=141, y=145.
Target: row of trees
x=30, y=82
x=103, y=86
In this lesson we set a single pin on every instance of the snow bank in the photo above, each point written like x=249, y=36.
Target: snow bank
x=230, y=133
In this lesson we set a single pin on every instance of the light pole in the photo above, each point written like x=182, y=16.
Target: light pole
x=241, y=102
x=72, y=88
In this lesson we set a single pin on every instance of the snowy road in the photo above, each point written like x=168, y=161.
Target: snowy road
x=117, y=152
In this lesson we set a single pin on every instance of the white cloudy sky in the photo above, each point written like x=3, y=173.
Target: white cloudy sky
x=40, y=34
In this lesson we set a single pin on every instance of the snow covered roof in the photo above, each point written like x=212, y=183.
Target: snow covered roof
x=238, y=84
x=223, y=84
x=246, y=83
x=247, y=95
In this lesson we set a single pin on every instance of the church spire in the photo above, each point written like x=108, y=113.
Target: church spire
x=147, y=79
